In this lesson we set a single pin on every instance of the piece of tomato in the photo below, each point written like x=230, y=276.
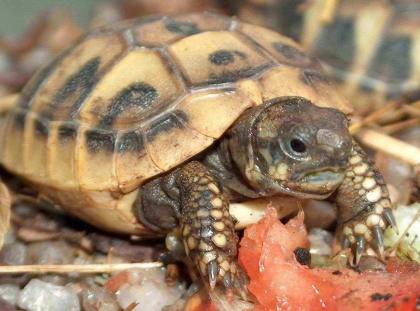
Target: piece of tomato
x=280, y=282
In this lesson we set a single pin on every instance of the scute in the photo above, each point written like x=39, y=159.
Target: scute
x=138, y=86
x=217, y=57
x=132, y=101
x=169, y=29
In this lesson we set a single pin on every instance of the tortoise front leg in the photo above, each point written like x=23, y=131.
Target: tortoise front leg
x=364, y=207
x=208, y=229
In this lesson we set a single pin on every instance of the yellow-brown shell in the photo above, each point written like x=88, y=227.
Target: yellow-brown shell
x=136, y=99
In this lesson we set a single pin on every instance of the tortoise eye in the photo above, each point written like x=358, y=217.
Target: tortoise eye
x=298, y=145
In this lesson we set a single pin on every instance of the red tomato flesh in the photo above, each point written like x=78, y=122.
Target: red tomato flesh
x=280, y=282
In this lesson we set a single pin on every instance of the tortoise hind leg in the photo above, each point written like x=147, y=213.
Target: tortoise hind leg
x=208, y=230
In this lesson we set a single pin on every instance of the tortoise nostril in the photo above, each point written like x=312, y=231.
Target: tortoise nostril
x=328, y=138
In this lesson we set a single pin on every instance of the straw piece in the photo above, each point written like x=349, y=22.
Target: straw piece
x=392, y=146
x=411, y=110
x=374, y=117
x=7, y=103
x=399, y=126
x=90, y=268
x=329, y=10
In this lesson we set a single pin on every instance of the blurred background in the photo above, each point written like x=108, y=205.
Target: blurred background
x=16, y=15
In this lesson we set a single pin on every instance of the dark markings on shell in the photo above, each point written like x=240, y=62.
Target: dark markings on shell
x=234, y=75
x=166, y=123
x=140, y=95
x=291, y=53
x=225, y=57
x=19, y=119
x=336, y=43
x=392, y=60
x=77, y=86
x=182, y=28
x=130, y=142
x=32, y=87
x=311, y=77
x=67, y=132
x=222, y=57
x=41, y=128
x=97, y=141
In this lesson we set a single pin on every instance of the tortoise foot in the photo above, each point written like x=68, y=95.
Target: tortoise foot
x=364, y=234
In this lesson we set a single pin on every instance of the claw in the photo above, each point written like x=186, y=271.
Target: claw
x=360, y=248
x=227, y=280
x=213, y=270
x=379, y=239
x=389, y=216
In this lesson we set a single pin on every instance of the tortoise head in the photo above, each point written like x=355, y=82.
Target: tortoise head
x=289, y=145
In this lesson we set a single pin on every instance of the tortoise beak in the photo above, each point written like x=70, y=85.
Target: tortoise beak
x=327, y=178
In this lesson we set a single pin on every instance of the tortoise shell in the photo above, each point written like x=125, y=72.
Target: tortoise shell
x=370, y=47
x=134, y=100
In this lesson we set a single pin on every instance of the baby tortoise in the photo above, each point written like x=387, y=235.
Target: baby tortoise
x=371, y=48
x=159, y=123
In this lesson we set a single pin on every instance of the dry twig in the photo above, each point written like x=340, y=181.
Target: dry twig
x=89, y=268
x=390, y=145
x=374, y=117
x=329, y=10
x=7, y=103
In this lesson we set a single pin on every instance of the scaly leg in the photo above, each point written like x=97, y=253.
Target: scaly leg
x=208, y=229
x=365, y=209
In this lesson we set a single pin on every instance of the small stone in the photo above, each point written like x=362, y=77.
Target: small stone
x=5, y=306
x=321, y=241
x=40, y=296
x=99, y=299
x=14, y=254
x=9, y=293
x=150, y=295
x=57, y=252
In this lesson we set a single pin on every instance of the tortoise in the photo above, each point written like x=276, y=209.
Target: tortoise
x=369, y=47
x=160, y=123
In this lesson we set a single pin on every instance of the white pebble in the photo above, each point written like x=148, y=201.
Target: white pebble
x=320, y=241
x=10, y=293
x=149, y=295
x=41, y=296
